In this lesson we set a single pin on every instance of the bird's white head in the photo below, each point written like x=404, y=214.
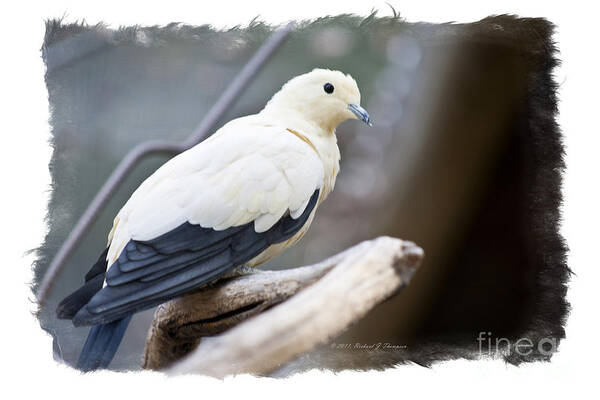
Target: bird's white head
x=323, y=97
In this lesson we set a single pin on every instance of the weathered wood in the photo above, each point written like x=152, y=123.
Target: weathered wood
x=287, y=321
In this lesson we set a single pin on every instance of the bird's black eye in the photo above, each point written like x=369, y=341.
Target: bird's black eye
x=328, y=88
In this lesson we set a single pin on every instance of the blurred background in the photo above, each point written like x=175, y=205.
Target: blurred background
x=458, y=160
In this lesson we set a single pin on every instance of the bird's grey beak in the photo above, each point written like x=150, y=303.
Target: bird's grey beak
x=360, y=113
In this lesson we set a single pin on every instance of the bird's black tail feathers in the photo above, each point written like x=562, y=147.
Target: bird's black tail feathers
x=102, y=344
x=103, y=340
x=93, y=283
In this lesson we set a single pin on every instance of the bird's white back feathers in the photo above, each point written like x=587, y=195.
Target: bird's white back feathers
x=248, y=171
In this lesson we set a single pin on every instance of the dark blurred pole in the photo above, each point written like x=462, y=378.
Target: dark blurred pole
x=133, y=158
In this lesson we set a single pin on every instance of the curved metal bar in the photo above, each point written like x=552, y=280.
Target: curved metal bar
x=208, y=123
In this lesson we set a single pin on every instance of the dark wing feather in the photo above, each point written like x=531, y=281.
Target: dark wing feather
x=94, y=279
x=148, y=273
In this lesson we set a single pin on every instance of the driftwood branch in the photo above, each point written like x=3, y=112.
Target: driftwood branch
x=211, y=332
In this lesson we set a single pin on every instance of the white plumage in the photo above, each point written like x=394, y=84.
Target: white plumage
x=248, y=171
x=255, y=168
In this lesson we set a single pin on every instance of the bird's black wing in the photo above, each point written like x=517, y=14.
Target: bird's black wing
x=148, y=273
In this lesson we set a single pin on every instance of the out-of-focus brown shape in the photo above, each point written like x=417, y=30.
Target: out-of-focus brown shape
x=482, y=199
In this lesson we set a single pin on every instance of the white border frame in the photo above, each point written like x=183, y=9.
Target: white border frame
x=27, y=364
